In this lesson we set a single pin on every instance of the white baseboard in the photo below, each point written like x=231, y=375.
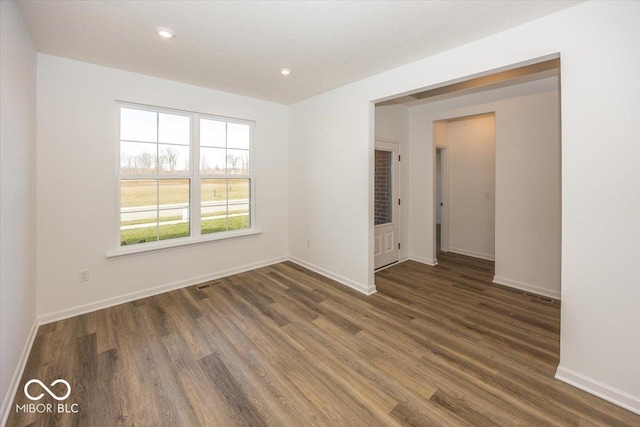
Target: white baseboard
x=603, y=391
x=17, y=375
x=109, y=302
x=472, y=254
x=347, y=282
x=428, y=261
x=526, y=287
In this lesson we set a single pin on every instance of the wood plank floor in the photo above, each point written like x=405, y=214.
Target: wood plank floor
x=282, y=346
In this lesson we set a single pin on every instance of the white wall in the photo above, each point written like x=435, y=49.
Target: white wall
x=598, y=43
x=76, y=157
x=471, y=153
x=17, y=194
x=392, y=124
x=330, y=165
x=527, y=195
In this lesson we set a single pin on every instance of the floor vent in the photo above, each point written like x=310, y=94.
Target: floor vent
x=540, y=298
x=204, y=286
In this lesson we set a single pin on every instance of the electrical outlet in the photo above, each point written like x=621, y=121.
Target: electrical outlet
x=487, y=195
x=308, y=243
x=84, y=275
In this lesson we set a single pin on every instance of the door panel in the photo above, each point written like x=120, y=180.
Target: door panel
x=386, y=204
x=388, y=238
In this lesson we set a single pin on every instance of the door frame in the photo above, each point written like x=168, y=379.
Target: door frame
x=388, y=144
x=444, y=196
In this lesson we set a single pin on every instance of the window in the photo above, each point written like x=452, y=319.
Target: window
x=182, y=175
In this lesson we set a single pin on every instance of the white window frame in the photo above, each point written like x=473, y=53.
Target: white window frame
x=195, y=178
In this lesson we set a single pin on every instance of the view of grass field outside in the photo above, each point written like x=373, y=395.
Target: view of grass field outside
x=156, y=178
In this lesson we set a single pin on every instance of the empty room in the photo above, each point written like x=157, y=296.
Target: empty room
x=288, y=213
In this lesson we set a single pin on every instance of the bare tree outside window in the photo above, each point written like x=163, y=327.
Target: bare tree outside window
x=232, y=162
x=170, y=158
x=145, y=163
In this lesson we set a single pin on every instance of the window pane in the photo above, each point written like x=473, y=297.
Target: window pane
x=239, y=220
x=138, y=226
x=239, y=209
x=174, y=223
x=383, y=190
x=239, y=204
x=212, y=133
x=212, y=161
x=238, y=162
x=142, y=234
x=239, y=190
x=174, y=208
x=238, y=136
x=137, y=158
x=213, y=190
x=213, y=205
x=213, y=224
x=174, y=193
x=139, y=194
x=138, y=211
x=138, y=125
x=174, y=129
x=173, y=159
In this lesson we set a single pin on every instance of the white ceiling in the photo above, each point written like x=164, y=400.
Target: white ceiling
x=240, y=46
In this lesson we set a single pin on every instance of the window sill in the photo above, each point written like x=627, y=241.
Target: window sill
x=177, y=243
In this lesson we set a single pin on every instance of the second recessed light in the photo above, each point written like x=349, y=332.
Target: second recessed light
x=165, y=33
x=285, y=71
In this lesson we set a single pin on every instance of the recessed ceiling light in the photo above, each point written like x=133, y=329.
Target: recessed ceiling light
x=165, y=33
x=285, y=71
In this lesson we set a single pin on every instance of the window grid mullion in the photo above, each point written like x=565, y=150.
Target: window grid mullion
x=157, y=210
x=196, y=210
x=157, y=180
x=226, y=169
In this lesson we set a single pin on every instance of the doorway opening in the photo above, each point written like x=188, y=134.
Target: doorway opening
x=520, y=229
x=465, y=179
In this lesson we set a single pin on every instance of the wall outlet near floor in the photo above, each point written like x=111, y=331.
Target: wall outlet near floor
x=308, y=243
x=84, y=275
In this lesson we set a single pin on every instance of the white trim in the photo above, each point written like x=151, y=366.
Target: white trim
x=17, y=375
x=326, y=273
x=472, y=254
x=601, y=390
x=428, y=261
x=526, y=287
x=388, y=140
x=109, y=302
x=176, y=243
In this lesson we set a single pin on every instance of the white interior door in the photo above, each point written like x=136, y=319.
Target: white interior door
x=386, y=204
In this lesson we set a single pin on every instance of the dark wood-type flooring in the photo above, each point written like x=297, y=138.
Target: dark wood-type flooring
x=282, y=346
